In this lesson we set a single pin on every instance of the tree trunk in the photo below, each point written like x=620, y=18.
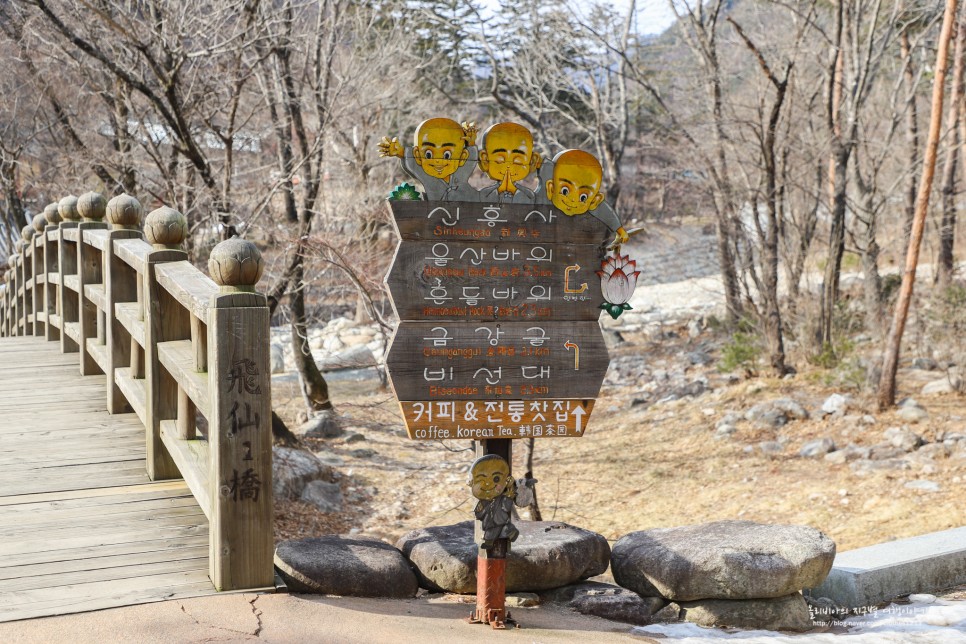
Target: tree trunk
x=314, y=388
x=534, y=507
x=886, y=394
x=836, y=244
x=912, y=138
x=947, y=228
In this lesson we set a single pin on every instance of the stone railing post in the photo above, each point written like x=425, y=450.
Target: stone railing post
x=164, y=320
x=120, y=285
x=91, y=207
x=67, y=300
x=239, y=436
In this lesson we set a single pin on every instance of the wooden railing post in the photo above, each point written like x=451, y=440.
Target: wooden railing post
x=38, y=244
x=26, y=279
x=239, y=435
x=51, y=242
x=120, y=285
x=67, y=300
x=16, y=275
x=92, y=207
x=164, y=320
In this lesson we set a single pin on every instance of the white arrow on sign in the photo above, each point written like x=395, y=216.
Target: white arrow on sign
x=579, y=413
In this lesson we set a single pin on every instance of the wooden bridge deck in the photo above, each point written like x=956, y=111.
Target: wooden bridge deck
x=81, y=525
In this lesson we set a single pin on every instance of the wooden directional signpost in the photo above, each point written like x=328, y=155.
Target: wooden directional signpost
x=498, y=306
x=498, y=293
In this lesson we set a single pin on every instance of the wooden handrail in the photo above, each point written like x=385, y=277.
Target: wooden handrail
x=174, y=345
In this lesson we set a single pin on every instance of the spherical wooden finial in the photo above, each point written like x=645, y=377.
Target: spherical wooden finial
x=19, y=244
x=92, y=206
x=12, y=260
x=165, y=228
x=236, y=265
x=39, y=222
x=124, y=212
x=67, y=208
x=51, y=214
x=27, y=233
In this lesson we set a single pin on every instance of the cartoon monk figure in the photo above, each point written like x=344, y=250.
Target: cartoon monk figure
x=572, y=183
x=491, y=483
x=442, y=158
x=507, y=157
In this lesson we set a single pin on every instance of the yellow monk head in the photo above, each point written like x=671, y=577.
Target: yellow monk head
x=506, y=154
x=575, y=186
x=439, y=147
x=489, y=477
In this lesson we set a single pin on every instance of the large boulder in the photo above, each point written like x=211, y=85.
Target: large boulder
x=547, y=554
x=293, y=469
x=789, y=613
x=353, y=567
x=722, y=560
x=617, y=604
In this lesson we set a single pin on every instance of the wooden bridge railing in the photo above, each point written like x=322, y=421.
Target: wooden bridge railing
x=188, y=354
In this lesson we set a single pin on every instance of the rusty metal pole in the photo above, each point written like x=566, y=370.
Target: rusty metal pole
x=491, y=564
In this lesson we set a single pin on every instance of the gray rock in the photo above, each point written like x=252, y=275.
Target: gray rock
x=912, y=414
x=935, y=450
x=327, y=497
x=293, y=469
x=849, y=453
x=885, y=451
x=722, y=560
x=563, y=594
x=522, y=600
x=364, y=452
x=926, y=364
x=353, y=567
x=699, y=358
x=354, y=438
x=776, y=413
x=724, y=431
x=816, y=448
x=771, y=448
x=948, y=385
x=695, y=388
x=278, y=358
x=924, y=485
x=835, y=404
x=789, y=613
x=883, y=464
x=670, y=613
x=547, y=554
x=731, y=418
x=324, y=424
x=356, y=357
x=619, y=605
x=903, y=438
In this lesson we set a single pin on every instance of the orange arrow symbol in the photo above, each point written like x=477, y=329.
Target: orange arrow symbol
x=571, y=345
x=567, y=272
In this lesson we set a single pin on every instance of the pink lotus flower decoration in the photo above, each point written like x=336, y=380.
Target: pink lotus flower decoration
x=618, y=279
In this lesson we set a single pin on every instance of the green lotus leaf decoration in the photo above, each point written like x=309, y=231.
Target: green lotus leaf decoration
x=405, y=192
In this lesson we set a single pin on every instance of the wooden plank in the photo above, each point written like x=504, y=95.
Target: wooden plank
x=95, y=293
x=476, y=222
x=133, y=252
x=189, y=286
x=493, y=361
x=53, y=278
x=69, y=234
x=97, y=352
x=149, y=519
x=476, y=420
x=54, y=320
x=148, y=489
x=178, y=358
x=71, y=282
x=105, y=562
x=66, y=577
x=96, y=238
x=133, y=391
x=193, y=459
x=128, y=314
x=455, y=280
